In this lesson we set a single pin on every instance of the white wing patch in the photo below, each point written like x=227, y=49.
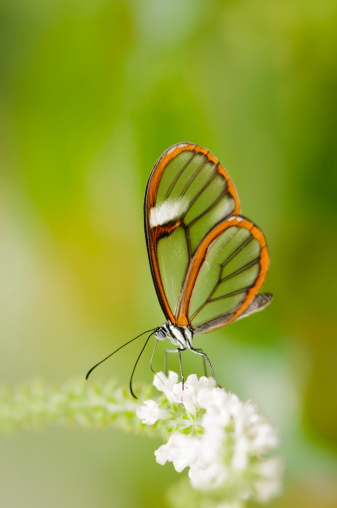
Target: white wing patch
x=167, y=212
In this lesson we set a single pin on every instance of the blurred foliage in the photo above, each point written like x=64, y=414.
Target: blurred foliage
x=91, y=93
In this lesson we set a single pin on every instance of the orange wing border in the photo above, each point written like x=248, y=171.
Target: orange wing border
x=154, y=233
x=199, y=257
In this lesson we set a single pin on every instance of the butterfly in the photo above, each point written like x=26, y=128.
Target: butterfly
x=207, y=261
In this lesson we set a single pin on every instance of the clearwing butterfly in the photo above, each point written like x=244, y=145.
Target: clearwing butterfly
x=208, y=262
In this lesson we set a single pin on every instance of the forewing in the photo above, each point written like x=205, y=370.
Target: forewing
x=187, y=194
x=225, y=274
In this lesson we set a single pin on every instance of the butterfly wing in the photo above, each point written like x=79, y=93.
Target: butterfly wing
x=224, y=276
x=187, y=194
x=258, y=303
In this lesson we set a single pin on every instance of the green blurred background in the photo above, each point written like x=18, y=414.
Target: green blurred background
x=91, y=93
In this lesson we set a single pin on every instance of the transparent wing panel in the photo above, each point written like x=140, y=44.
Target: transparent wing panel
x=244, y=277
x=219, y=252
x=200, y=226
x=245, y=254
x=208, y=197
x=184, y=163
x=216, y=308
x=173, y=261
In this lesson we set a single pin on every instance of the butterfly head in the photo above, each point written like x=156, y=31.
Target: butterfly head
x=160, y=333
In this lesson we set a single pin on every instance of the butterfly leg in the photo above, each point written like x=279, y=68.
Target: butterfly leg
x=178, y=350
x=200, y=352
x=203, y=359
x=181, y=368
x=153, y=352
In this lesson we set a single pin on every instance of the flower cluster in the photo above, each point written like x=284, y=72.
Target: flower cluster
x=219, y=438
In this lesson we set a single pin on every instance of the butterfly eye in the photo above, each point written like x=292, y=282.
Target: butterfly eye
x=160, y=334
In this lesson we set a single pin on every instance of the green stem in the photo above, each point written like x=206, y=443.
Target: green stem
x=36, y=405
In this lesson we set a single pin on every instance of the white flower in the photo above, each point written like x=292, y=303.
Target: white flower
x=150, y=412
x=240, y=457
x=269, y=482
x=180, y=449
x=166, y=384
x=207, y=477
x=219, y=438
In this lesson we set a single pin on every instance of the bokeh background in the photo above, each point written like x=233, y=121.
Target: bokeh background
x=91, y=93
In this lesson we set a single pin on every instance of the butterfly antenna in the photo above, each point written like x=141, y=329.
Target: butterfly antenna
x=126, y=343
x=134, y=368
